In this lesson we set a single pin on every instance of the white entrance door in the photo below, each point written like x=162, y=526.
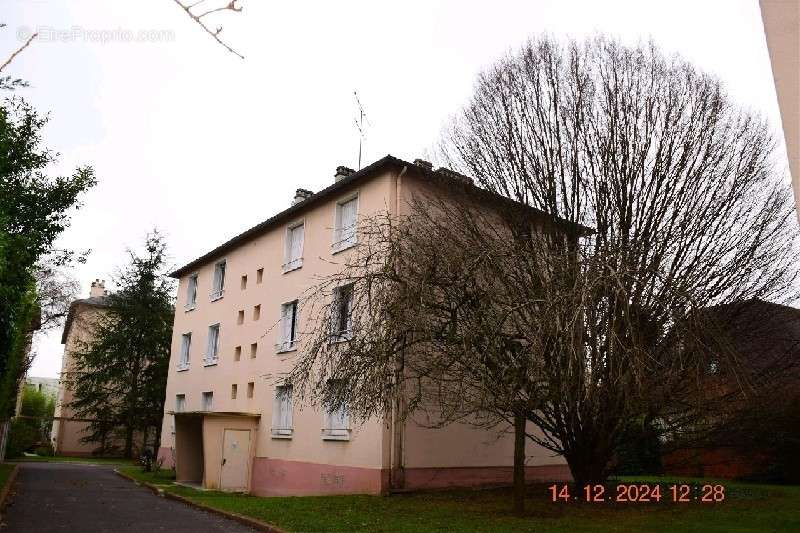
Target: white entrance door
x=235, y=459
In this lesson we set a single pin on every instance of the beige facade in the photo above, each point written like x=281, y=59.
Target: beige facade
x=782, y=28
x=213, y=402
x=68, y=430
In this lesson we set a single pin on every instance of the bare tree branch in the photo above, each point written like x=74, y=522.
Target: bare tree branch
x=20, y=49
x=231, y=6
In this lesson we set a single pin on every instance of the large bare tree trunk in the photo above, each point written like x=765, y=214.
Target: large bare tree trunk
x=519, y=463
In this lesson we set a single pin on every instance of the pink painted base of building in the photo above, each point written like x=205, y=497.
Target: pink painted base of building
x=167, y=457
x=277, y=477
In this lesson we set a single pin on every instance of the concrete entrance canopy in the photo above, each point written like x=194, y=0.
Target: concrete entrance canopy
x=199, y=444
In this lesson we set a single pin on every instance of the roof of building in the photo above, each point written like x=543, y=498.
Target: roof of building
x=92, y=301
x=441, y=175
x=765, y=334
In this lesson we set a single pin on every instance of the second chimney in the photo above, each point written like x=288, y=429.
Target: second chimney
x=300, y=195
x=98, y=288
x=342, y=172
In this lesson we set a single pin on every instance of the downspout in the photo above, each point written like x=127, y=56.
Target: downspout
x=397, y=472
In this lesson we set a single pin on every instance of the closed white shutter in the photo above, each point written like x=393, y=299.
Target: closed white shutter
x=296, y=250
x=191, y=293
x=339, y=421
x=213, y=343
x=349, y=221
x=286, y=407
x=186, y=342
x=282, y=414
x=286, y=326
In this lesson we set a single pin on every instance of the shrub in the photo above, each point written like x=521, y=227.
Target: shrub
x=23, y=436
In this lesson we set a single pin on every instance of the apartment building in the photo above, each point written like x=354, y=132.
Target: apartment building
x=237, y=322
x=68, y=430
x=781, y=20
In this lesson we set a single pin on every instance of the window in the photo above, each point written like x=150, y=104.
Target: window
x=208, y=401
x=186, y=344
x=234, y=388
x=251, y=388
x=218, y=289
x=259, y=275
x=336, y=422
x=240, y=317
x=237, y=353
x=342, y=314
x=180, y=403
x=253, y=350
x=256, y=312
x=288, y=333
x=212, y=350
x=244, y=282
x=191, y=293
x=293, y=253
x=344, y=229
x=282, y=412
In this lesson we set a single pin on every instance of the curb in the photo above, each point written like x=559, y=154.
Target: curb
x=6, y=490
x=246, y=520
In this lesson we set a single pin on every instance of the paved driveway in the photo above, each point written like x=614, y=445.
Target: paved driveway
x=87, y=499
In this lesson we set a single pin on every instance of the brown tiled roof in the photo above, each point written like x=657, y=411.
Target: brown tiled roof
x=93, y=301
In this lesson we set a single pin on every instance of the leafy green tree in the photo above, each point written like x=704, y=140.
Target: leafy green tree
x=34, y=211
x=121, y=374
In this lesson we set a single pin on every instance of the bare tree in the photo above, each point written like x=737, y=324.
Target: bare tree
x=463, y=317
x=688, y=211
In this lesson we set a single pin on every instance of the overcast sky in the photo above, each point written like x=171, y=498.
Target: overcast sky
x=190, y=139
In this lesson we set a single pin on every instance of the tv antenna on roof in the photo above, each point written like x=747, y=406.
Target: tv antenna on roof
x=361, y=124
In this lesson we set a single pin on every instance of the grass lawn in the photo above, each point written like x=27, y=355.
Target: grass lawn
x=746, y=508
x=5, y=471
x=81, y=460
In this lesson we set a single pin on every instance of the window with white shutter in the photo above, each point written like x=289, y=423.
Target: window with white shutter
x=218, y=287
x=282, y=412
x=288, y=329
x=191, y=293
x=212, y=349
x=293, y=254
x=186, y=344
x=336, y=421
x=344, y=231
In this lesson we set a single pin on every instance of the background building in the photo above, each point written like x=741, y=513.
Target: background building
x=67, y=429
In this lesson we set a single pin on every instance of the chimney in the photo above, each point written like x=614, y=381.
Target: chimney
x=452, y=174
x=300, y=195
x=98, y=288
x=427, y=165
x=342, y=172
